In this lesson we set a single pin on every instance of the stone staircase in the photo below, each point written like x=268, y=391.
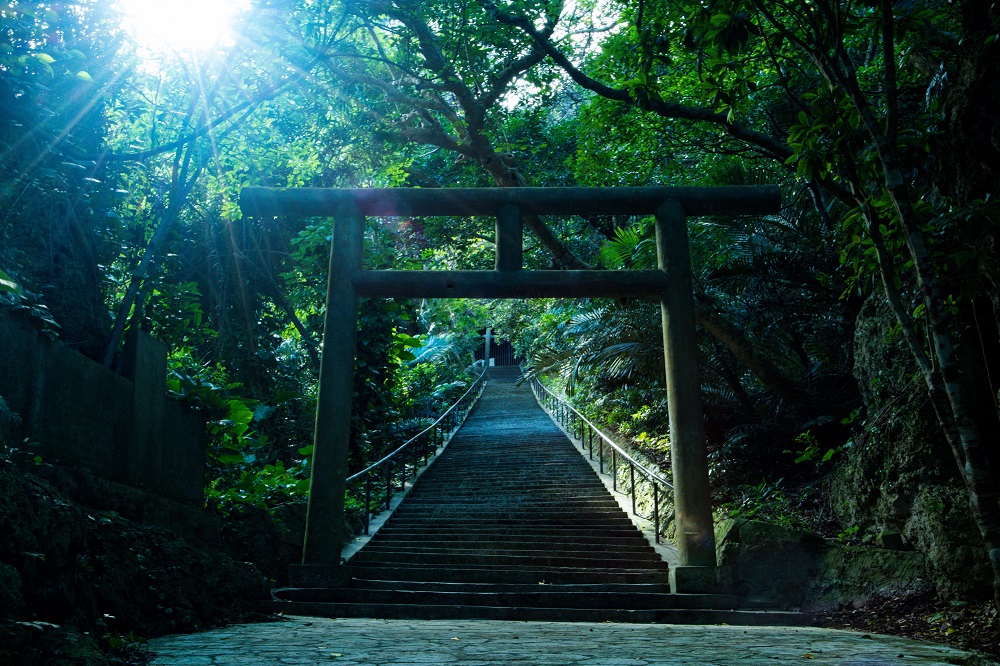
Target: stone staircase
x=511, y=523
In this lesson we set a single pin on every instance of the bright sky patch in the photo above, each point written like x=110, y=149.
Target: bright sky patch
x=181, y=25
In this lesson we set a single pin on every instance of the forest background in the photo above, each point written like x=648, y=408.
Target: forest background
x=850, y=346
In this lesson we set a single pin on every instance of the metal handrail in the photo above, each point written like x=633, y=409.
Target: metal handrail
x=581, y=427
x=431, y=437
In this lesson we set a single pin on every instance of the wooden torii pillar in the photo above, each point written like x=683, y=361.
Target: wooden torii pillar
x=670, y=282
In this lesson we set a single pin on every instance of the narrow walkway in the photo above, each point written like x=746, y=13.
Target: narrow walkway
x=352, y=642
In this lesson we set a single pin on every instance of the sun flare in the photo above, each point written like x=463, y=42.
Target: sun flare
x=182, y=25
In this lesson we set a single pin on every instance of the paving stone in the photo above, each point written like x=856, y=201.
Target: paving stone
x=302, y=641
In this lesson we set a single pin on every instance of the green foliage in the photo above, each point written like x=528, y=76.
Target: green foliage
x=27, y=306
x=766, y=501
x=8, y=285
x=633, y=248
x=102, y=150
x=812, y=451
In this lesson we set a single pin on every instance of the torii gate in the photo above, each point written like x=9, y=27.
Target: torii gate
x=671, y=283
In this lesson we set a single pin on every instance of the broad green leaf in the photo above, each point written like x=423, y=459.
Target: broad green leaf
x=7, y=284
x=229, y=456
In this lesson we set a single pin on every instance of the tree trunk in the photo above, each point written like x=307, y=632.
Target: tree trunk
x=154, y=250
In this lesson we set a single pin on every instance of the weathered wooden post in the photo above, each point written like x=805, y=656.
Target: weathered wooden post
x=325, y=513
x=692, y=495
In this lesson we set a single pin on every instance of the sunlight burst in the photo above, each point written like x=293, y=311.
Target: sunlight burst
x=181, y=25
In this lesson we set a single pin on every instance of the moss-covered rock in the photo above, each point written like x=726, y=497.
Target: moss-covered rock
x=33, y=643
x=773, y=565
x=146, y=580
x=76, y=574
x=272, y=541
x=940, y=525
x=899, y=481
x=11, y=591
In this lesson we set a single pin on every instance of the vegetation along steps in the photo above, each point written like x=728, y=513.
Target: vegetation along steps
x=511, y=523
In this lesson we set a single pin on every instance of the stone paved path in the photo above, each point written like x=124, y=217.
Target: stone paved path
x=350, y=642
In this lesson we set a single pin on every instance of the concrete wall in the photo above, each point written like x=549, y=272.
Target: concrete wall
x=84, y=415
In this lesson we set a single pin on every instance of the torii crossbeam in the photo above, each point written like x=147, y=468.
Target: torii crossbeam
x=671, y=283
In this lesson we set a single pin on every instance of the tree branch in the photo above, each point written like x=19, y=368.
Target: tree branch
x=248, y=107
x=510, y=73
x=773, y=147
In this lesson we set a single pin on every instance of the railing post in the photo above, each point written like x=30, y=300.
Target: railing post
x=614, y=468
x=656, y=512
x=487, y=347
x=368, y=501
x=600, y=455
x=327, y=486
x=388, y=484
x=692, y=496
x=402, y=480
x=631, y=471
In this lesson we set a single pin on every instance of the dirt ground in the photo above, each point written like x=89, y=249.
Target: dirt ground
x=966, y=625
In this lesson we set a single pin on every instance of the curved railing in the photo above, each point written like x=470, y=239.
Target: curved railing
x=416, y=451
x=583, y=429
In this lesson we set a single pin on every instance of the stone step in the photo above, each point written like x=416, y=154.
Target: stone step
x=591, y=521
x=511, y=498
x=514, y=517
x=470, y=474
x=531, y=559
x=526, y=512
x=504, y=546
x=543, y=596
x=510, y=588
x=540, y=539
x=469, y=485
x=497, y=574
x=554, y=533
x=444, y=612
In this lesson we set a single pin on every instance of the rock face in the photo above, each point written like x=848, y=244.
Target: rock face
x=770, y=564
x=94, y=571
x=900, y=482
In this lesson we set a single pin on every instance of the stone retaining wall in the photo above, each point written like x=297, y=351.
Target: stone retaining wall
x=75, y=412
